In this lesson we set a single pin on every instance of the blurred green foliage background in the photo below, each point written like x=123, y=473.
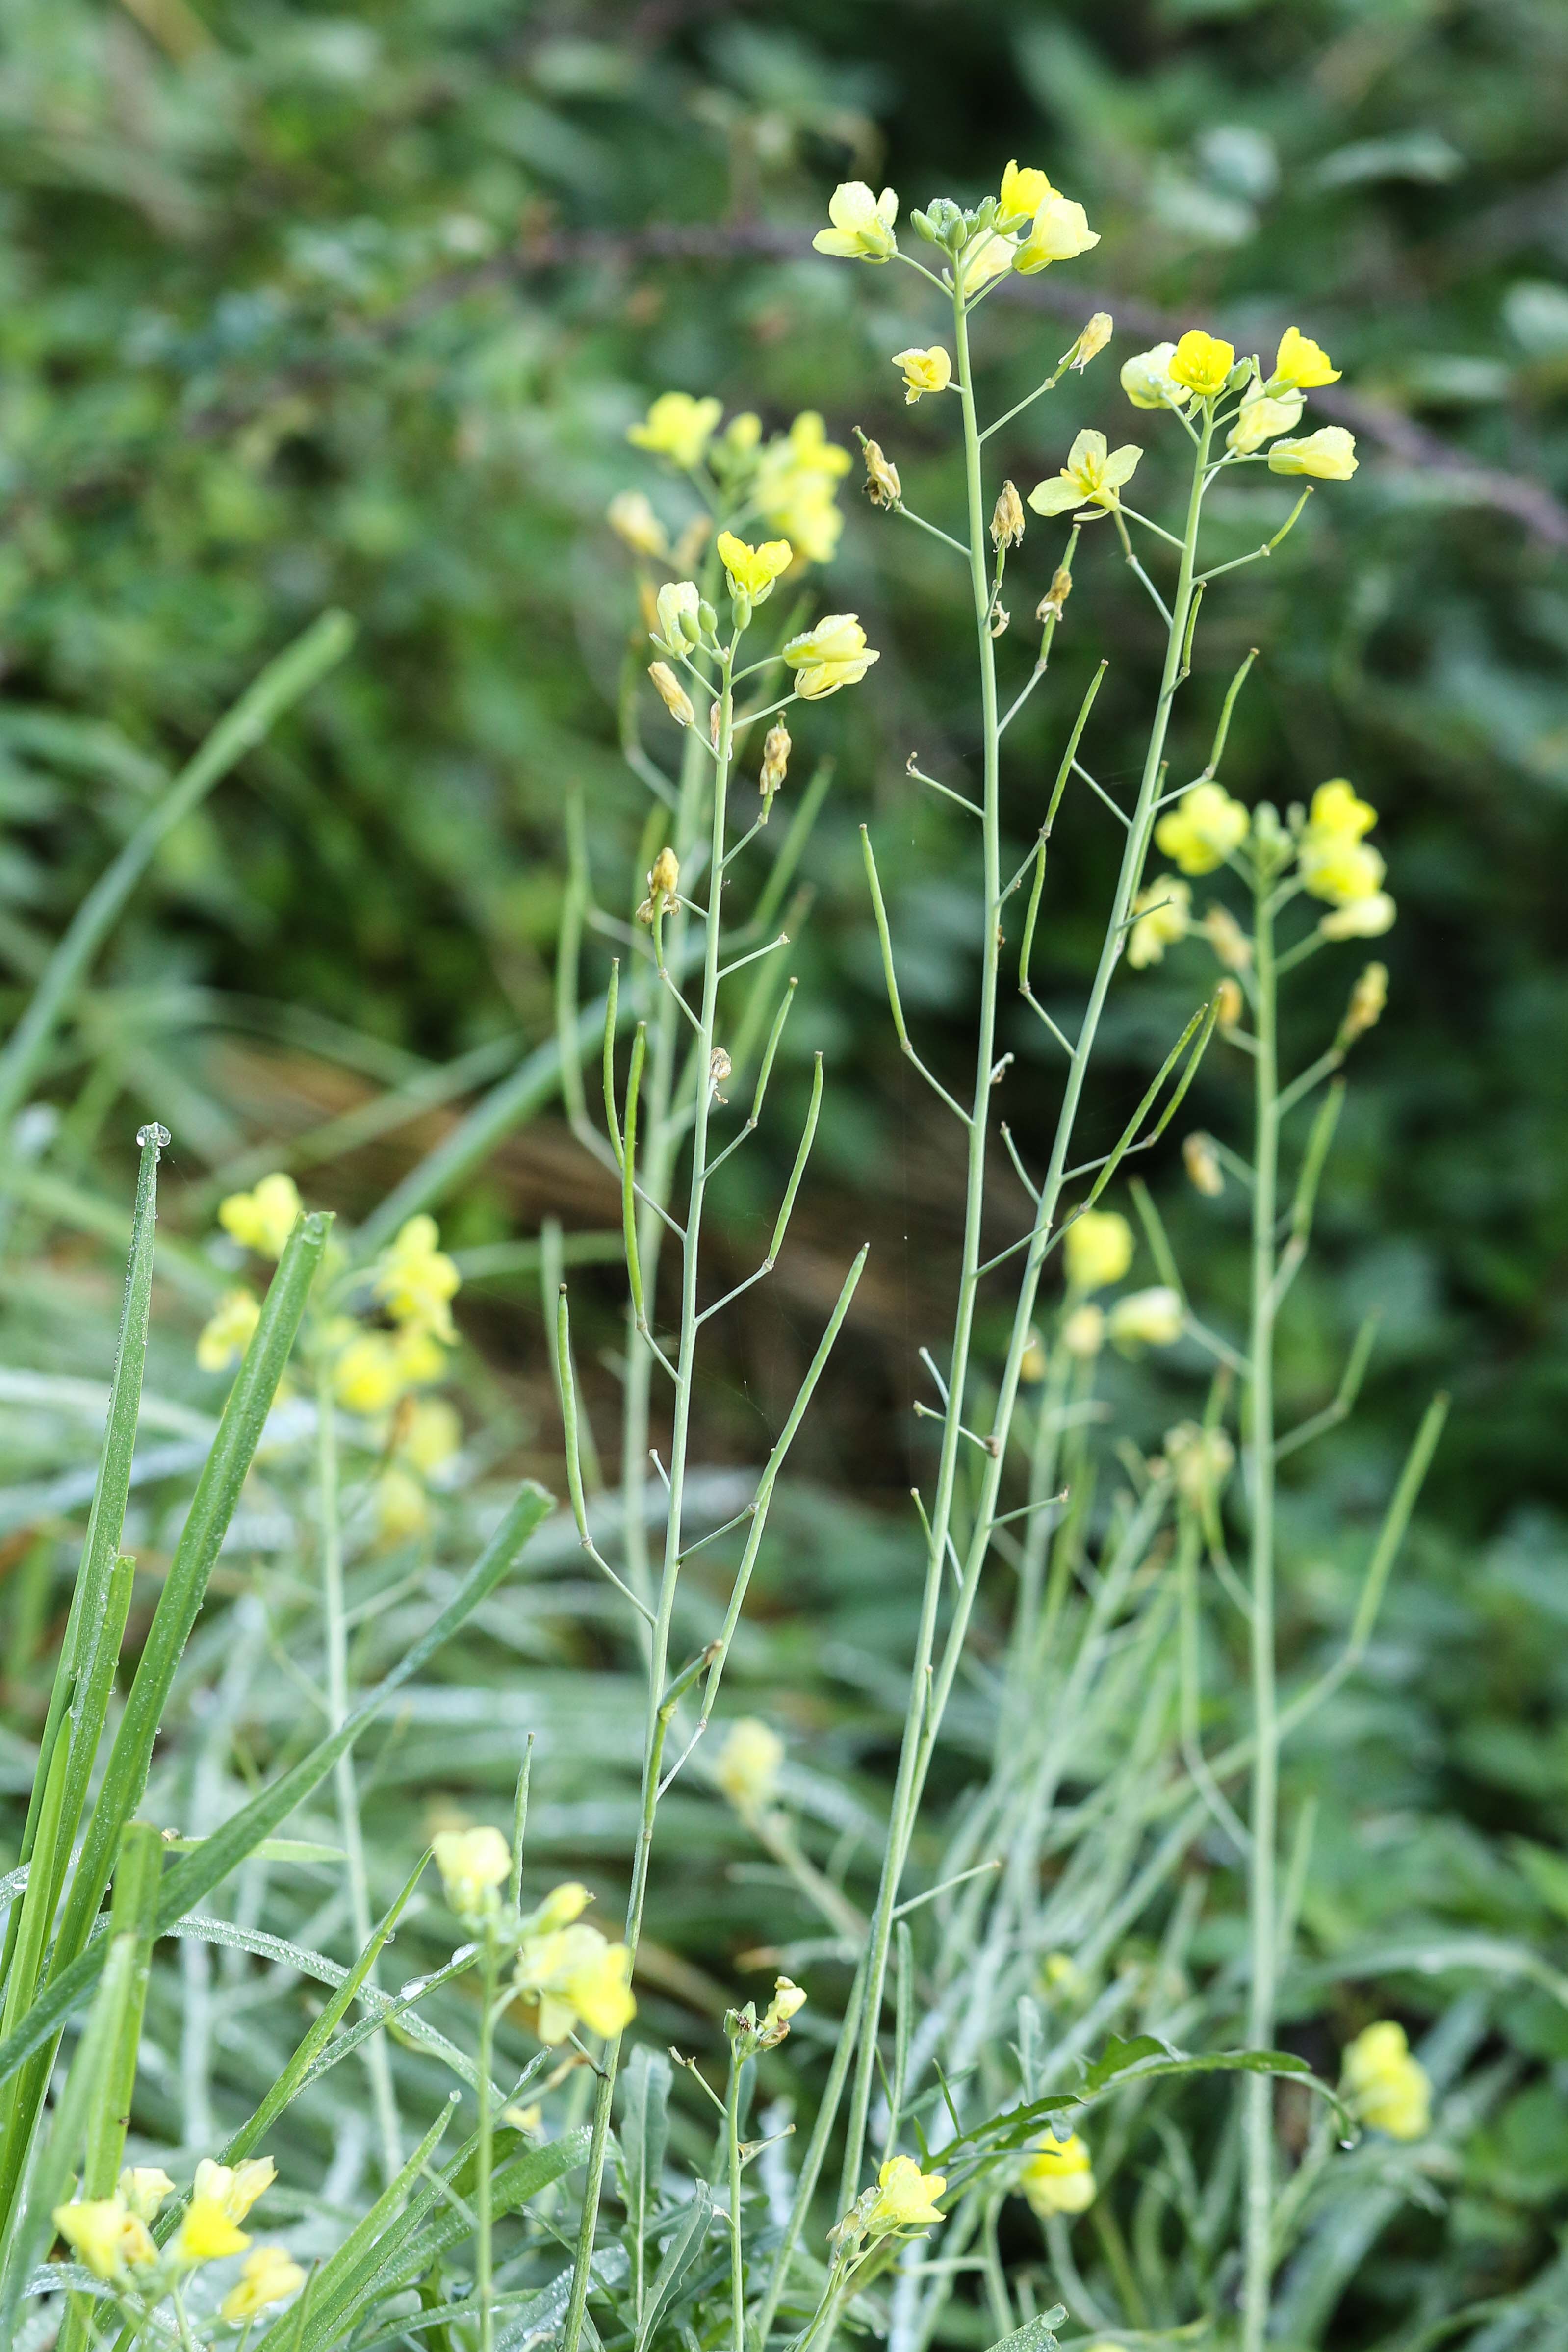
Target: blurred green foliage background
x=301, y=306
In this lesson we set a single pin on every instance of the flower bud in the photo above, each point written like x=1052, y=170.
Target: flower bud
x=679, y=626
x=1229, y=1001
x=1007, y=518
x=882, y=484
x=671, y=693
x=776, y=748
x=1203, y=1167
x=1368, y=998
x=664, y=875
x=1053, y=603
x=1094, y=338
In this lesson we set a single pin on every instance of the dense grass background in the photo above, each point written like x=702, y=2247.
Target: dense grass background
x=300, y=308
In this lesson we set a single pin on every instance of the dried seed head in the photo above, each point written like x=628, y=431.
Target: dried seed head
x=1202, y=1165
x=671, y=693
x=776, y=748
x=1007, y=520
x=1054, y=602
x=1094, y=338
x=718, y=1068
x=882, y=484
x=715, y=723
x=1368, y=998
x=1230, y=943
x=1000, y=619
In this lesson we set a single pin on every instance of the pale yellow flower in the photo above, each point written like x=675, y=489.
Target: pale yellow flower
x=1092, y=476
x=226, y=1335
x=1147, y=381
x=672, y=693
x=105, y=2236
x=747, y=1766
x=1201, y=362
x=1083, y=1331
x=631, y=517
x=1162, y=915
x=472, y=1864
x=679, y=606
x=262, y=1220
x=924, y=371
x=207, y=2233
x=416, y=1280
x=1146, y=1319
x=1098, y=1246
x=1329, y=455
x=1336, y=864
x=574, y=1976
x=1203, y=829
x=753, y=570
x=1261, y=418
x=1093, y=339
x=235, y=2187
x=561, y=1906
x=144, y=2186
x=270, y=2275
x=400, y=1506
x=1060, y=232
x=1369, y=1001
x=985, y=257
x=1301, y=364
x=1360, y=919
x=793, y=490
x=862, y=224
x=833, y=653
x=678, y=427
x=1023, y=191
x=1201, y=1461
x=369, y=1376
x=1390, y=2090
x=1202, y=1163
x=906, y=2197
x=788, y=2000
x=429, y=1433
x=1058, y=2177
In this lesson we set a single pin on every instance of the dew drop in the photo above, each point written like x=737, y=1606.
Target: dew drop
x=154, y=1134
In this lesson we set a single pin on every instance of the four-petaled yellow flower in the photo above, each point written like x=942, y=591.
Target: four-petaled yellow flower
x=207, y=2233
x=747, y=1766
x=1203, y=829
x=263, y=1220
x=678, y=427
x=924, y=371
x=105, y=2236
x=862, y=224
x=1262, y=417
x=1201, y=362
x=906, y=2197
x=1092, y=476
x=1301, y=366
x=1328, y=455
x=1058, y=2177
x=1147, y=381
x=416, y=1280
x=1099, y=1245
x=1023, y=191
x=1059, y=231
x=1336, y=864
x=269, y=2276
x=472, y=1864
x=752, y=569
x=234, y=2188
x=1146, y=1319
x=1390, y=2090
x=833, y=653
x=1162, y=915
x=574, y=1976
x=226, y=1335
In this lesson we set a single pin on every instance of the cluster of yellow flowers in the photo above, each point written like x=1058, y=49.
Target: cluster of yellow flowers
x=1206, y=829
x=1389, y=2089
x=1058, y=2177
x=1202, y=367
x=1026, y=226
x=569, y=1971
x=904, y=2198
x=111, y=2236
x=1098, y=1245
x=789, y=481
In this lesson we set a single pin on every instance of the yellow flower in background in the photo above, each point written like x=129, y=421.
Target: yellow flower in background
x=862, y=224
x=1083, y=1331
x=1338, y=812
x=1262, y=417
x=906, y=2197
x=1147, y=381
x=429, y=1433
x=1360, y=919
x=416, y=1280
x=400, y=1506
x=417, y=1356
x=1023, y=191
x=263, y=1220
x=924, y=371
x=574, y=1976
x=472, y=1864
x=1203, y=829
x=1146, y=1319
x=1092, y=476
x=234, y=2188
x=678, y=427
x=631, y=517
x=1096, y=334
x=752, y=569
x=833, y=653
x=1301, y=364
x=1098, y=1246
x=794, y=490
x=368, y=1377
x=225, y=1334
x=1201, y=1460
x=207, y=2233
x=1060, y=232
x=1328, y=455
x=143, y=2188
x=1163, y=916
x=1201, y=362
x=1389, y=2089
x=560, y=1907
x=270, y=2275
x=747, y=1766
x=104, y=2235
x=1058, y=2177
x=1336, y=864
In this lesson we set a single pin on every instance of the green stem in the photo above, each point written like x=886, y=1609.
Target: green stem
x=737, y=2264
x=485, y=2266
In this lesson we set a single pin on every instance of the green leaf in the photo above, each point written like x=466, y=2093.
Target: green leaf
x=1036, y=2334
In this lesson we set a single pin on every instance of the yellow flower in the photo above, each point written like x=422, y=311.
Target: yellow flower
x=269, y=2276
x=401, y=1505
x=1202, y=363
x=262, y=1221
x=416, y=1279
x=1336, y=864
x=1329, y=455
x=368, y=1377
x=429, y=1433
x=1301, y=364
x=1261, y=417
x=1023, y=191
x=905, y=2197
x=985, y=257
x=105, y=2236
x=1146, y=1319
x=1083, y=1331
x=679, y=606
x=862, y=224
x=1147, y=381
x=1099, y=1245
x=207, y=2233
x=1339, y=810
x=752, y=569
x=747, y=1766
x=1058, y=2177
x=575, y=1975
x=472, y=1864
x=1092, y=476
x=234, y=2188
x=143, y=2188
x=1060, y=233
x=924, y=371
x=417, y=1356
x=1202, y=1163
x=1360, y=919
x=631, y=517
x=1094, y=338
x=795, y=486
x=1229, y=941
x=1163, y=915
x=788, y=2000
x=1203, y=829
x=1389, y=2089
x=832, y=655
x=678, y=427
x=226, y=1335
x=560, y=1907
